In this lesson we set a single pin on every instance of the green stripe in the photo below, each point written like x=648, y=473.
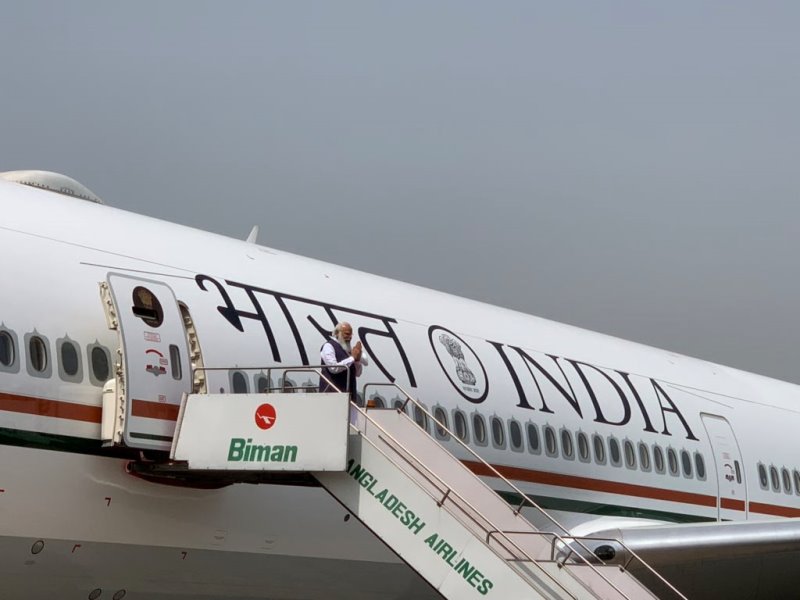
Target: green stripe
x=596, y=508
x=150, y=436
x=64, y=443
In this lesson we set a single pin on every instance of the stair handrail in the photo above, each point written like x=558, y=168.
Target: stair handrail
x=448, y=491
x=525, y=497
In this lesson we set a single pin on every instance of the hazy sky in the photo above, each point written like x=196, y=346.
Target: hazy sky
x=629, y=167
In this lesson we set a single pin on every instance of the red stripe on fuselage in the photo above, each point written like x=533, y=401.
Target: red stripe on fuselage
x=50, y=408
x=595, y=485
x=154, y=410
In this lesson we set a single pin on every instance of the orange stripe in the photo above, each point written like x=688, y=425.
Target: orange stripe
x=772, y=509
x=50, y=408
x=731, y=503
x=154, y=410
x=596, y=485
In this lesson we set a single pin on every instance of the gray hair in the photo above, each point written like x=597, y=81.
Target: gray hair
x=338, y=329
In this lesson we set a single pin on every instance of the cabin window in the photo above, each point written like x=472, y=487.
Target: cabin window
x=498, y=433
x=567, y=447
x=239, y=383
x=630, y=454
x=460, y=421
x=421, y=418
x=401, y=405
x=69, y=360
x=38, y=355
x=773, y=477
x=599, y=449
x=787, y=481
x=175, y=361
x=515, y=435
x=699, y=466
x=262, y=384
x=762, y=476
x=796, y=474
x=550, y=442
x=686, y=462
x=614, y=451
x=147, y=307
x=100, y=364
x=441, y=430
x=583, y=447
x=376, y=401
x=479, y=429
x=672, y=461
x=8, y=351
x=534, y=443
x=658, y=458
x=644, y=456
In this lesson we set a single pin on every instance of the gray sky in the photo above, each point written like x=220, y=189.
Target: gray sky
x=629, y=167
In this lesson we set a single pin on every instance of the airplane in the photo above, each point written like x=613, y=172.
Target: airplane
x=689, y=463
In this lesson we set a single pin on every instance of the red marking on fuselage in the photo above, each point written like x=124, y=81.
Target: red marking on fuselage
x=154, y=410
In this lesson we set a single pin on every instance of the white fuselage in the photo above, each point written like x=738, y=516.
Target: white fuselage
x=253, y=308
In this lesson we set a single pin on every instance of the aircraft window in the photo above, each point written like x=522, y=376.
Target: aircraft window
x=534, y=443
x=37, y=354
x=441, y=430
x=699, y=466
x=175, y=361
x=738, y=471
x=630, y=454
x=69, y=366
x=498, y=432
x=100, y=360
x=658, y=458
x=460, y=422
x=421, y=418
x=796, y=481
x=762, y=476
x=377, y=402
x=787, y=481
x=583, y=446
x=69, y=358
x=686, y=461
x=567, y=447
x=262, y=384
x=614, y=452
x=599, y=449
x=515, y=435
x=644, y=456
x=479, y=427
x=773, y=476
x=239, y=383
x=147, y=307
x=550, y=443
x=672, y=461
x=8, y=354
x=401, y=405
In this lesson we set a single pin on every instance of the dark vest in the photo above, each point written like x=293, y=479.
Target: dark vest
x=345, y=380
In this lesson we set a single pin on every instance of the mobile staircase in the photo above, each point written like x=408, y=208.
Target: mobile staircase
x=411, y=492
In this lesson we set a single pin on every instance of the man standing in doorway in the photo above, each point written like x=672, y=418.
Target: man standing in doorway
x=342, y=363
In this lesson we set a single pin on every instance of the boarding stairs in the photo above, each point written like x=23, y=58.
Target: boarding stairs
x=408, y=489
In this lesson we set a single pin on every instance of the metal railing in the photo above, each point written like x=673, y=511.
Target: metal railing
x=527, y=500
x=566, y=550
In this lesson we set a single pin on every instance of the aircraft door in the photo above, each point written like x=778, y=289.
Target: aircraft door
x=154, y=359
x=731, y=485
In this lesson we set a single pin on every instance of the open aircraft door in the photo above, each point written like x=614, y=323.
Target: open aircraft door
x=153, y=369
x=731, y=485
